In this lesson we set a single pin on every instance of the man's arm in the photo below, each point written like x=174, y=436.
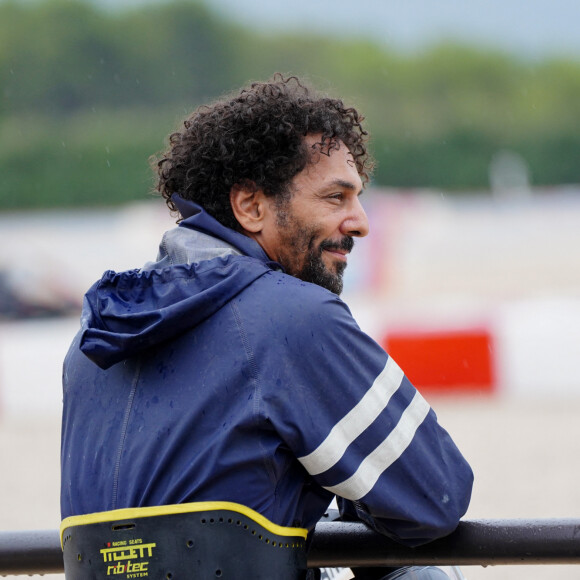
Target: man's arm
x=363, y=432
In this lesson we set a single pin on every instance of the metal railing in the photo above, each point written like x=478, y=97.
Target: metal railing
x=337, y=544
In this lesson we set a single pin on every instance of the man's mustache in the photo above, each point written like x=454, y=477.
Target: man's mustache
x=346, y=244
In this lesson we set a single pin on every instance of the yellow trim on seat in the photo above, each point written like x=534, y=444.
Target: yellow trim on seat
x=183, y=508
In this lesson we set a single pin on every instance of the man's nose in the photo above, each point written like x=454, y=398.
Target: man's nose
x=356, y=223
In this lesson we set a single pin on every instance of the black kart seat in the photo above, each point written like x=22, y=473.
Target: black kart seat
x=200, y=541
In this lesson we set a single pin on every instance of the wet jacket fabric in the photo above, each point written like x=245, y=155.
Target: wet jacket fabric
x=213, y=375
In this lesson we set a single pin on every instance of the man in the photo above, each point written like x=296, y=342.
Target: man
x=229, y=370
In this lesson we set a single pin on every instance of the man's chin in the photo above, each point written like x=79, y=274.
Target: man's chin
x=332, y=281
x=336, y=287
x=317, y=272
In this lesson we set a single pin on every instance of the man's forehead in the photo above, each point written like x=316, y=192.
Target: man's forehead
x=326, y=170
x=318, y=144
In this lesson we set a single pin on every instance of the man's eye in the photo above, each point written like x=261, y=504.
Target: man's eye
x=336, y=196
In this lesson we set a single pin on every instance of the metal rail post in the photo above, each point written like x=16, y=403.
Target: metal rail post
x=336, y=544
x=476, y=542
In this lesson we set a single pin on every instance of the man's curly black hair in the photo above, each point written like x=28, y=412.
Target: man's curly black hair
x=255, y=139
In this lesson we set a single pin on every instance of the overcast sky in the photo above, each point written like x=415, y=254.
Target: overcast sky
x=532, y=28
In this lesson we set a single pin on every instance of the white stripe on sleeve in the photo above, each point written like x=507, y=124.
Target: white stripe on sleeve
x=356, y=421
x=365, y=477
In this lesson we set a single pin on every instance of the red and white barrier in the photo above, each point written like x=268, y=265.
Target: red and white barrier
x=446, y=361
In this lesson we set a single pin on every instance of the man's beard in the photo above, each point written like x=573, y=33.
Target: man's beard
x=304, y=259
x=315, y=271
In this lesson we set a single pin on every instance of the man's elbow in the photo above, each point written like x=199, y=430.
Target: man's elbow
x=446, y=509
x=438, y=514
x=446, y=520
x=428, y=527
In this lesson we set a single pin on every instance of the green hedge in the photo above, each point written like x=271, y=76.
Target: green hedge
x=87, y=95
x=85, y=159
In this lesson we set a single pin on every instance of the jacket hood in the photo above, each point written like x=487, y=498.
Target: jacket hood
x=201, y=266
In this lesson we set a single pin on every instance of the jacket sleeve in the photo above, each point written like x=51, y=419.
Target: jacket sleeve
x=363, y=432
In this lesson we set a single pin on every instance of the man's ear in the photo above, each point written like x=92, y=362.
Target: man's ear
x=248, y=204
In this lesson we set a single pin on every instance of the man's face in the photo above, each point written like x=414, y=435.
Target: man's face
x=312, y=233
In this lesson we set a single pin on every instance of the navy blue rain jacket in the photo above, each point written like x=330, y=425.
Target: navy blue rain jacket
x=213, y=375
